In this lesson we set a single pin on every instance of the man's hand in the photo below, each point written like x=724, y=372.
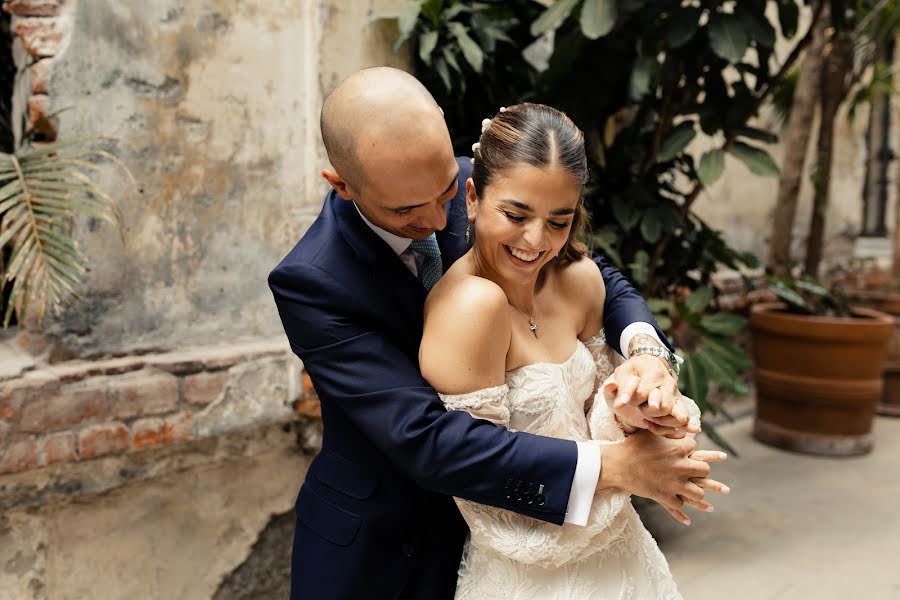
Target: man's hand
x=671, y=472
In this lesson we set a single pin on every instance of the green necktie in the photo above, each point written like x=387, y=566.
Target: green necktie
x=431, y=269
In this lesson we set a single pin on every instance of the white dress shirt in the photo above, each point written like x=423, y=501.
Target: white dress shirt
x=587, y=469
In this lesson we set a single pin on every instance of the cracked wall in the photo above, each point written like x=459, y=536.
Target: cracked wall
x=213, y=106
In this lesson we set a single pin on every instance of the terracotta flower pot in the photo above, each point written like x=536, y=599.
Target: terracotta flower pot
x=888, y=302
x=818, y=379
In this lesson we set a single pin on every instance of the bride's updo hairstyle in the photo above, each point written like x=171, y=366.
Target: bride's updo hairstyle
x=540, y=136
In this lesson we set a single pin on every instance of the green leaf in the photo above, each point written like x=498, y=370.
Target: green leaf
x=722, y=372
x=625, y=213
x=757, y=25
x=604, y=239
x=427, y=42
x=756, y=159
x=441, y=67
x=723, y=323
x=712, y=165
x=598, y=17
x=651, y=226
x=788, y=17
x=642, y=74
x=692, y=380
x=699, y=299
x=728, y=37
x=406, y=21
x=811, y=287
x=498, y=35
x=455, y=10
x=451, y=59
x=718, y=440
x=640, y=267
x=677, y=140
x=659, y=305
x=790, y=296
x=471, y=51
x=664, y=322
x=553, y=17
x=728, y=350
x=682, y=27
x=754, y=133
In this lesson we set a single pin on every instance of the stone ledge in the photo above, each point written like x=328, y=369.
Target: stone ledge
x=67, y=482
x=84, y=410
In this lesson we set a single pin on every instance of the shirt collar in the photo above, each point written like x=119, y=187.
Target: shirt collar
x=398, y=244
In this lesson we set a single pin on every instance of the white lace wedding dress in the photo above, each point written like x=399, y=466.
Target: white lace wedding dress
x=511, y=556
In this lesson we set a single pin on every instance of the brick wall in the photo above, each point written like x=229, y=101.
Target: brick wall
x=43, y=28
x=81, y=410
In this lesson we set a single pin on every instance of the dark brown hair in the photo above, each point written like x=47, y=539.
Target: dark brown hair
x=541, y=136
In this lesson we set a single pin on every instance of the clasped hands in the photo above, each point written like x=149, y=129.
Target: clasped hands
x=644, y=397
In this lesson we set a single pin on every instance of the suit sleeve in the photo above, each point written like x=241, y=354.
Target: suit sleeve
x=624, y=305
x=365, y=375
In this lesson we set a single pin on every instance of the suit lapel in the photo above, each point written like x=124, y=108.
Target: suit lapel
x=388, y=273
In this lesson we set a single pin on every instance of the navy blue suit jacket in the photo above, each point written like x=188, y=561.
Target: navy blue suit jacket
x=375, y=513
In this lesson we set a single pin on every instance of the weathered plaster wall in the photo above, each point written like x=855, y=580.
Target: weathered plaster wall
x=213, y=105
x=176, y=535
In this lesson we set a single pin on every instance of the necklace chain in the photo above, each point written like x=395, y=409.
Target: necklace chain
x=532, y=324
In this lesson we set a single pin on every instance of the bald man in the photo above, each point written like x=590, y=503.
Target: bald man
x=375, y=517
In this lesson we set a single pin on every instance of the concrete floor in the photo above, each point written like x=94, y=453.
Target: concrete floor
x=794, y=526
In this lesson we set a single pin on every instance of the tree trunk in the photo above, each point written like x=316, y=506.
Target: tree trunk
x=796, y=141
x=837, y=69
x=895, y=267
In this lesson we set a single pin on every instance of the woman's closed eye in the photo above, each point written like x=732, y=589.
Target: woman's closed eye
x=513, y=217
x=558, y=225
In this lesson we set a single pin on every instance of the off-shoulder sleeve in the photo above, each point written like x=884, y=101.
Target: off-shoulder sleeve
x=522, y=538
x=489, y=404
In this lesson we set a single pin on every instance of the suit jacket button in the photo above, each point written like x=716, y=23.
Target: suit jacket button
x=539, y=499
x=408, y=550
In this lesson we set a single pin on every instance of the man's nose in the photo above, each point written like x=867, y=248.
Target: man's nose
x=438, y=217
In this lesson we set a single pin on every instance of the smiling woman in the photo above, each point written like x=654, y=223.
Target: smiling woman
x=513, y=335
x=545, y=139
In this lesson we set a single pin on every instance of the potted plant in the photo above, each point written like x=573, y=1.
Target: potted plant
x=817, y=369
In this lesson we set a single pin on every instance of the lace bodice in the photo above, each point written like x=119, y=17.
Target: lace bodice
x=514, y=556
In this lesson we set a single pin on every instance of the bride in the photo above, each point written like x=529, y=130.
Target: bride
x=512, y=335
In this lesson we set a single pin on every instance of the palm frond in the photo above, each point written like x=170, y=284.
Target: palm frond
x=42, y=191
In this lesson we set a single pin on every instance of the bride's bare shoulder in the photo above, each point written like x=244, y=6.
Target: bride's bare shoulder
x=466, y=335
x=582, y=284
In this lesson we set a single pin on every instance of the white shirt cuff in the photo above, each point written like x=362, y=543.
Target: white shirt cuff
x=584, y=484
x=634, y=329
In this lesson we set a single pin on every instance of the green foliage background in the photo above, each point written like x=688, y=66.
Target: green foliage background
x=642, y=79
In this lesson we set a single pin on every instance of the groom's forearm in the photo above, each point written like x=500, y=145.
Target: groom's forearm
x=613, y=475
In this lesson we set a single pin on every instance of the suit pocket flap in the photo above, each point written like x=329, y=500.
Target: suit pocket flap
x=329, y=521
x=345, y=476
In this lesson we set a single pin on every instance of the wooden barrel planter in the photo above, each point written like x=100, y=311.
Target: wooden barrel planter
x=818, y=379
x=890, y=398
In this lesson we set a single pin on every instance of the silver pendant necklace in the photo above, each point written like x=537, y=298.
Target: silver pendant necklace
x=532, y=325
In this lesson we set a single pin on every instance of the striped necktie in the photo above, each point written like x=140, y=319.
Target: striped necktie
x=431, y=269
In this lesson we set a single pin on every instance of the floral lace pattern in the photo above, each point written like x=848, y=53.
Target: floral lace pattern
x=511, y=556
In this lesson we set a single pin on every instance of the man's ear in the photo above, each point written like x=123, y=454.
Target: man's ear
x=340, y=186
x=471, y=200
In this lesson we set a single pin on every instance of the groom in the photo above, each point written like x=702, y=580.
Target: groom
x=375, y=517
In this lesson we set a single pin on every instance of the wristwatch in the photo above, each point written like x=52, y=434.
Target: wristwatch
x=673, y=361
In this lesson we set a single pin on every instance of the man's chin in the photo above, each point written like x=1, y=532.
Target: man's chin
x=419, y=234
